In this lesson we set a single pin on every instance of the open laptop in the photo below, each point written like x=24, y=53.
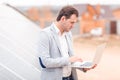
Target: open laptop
x=96, y=59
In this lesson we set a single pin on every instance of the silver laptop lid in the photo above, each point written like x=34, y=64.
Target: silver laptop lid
x=98, y=53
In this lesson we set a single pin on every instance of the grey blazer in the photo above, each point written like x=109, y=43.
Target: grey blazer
x=50, y=57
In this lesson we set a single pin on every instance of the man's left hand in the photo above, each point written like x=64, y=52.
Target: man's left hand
x=86, y=69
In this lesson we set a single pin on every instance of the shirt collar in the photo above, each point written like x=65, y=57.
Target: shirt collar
x=58, y=31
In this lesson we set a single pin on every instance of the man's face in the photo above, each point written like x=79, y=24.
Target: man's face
x=69, y=23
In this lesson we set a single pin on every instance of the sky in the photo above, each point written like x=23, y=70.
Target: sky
x=57, y=2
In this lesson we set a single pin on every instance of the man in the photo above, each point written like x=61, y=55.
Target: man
x=56, y=52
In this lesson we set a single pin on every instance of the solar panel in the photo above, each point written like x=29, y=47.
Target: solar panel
x=19, y=41
x=17, y=65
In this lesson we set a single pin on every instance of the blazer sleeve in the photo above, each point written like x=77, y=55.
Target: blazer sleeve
x=46, y=61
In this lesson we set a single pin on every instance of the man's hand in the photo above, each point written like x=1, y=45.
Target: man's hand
x=86, y=69
x=75, y=59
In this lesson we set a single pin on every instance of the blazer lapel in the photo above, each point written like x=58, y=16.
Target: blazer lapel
x=55, y=37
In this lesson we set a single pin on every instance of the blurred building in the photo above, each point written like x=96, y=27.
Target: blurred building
x=94, y=19
x=92, y=16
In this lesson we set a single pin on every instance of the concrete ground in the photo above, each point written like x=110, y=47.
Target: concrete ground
x=108, y=68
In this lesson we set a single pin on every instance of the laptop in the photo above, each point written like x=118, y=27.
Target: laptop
x=96, y=59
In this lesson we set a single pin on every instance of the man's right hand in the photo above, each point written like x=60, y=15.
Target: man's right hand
x=75, y=59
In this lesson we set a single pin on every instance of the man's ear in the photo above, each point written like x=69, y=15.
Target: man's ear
x=63, y=18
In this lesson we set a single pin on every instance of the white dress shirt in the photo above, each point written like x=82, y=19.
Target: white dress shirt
x=64, y=49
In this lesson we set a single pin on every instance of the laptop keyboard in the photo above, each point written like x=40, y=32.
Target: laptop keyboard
x=86, y=64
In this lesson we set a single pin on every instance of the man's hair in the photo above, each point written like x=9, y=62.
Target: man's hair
x=67, y=11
